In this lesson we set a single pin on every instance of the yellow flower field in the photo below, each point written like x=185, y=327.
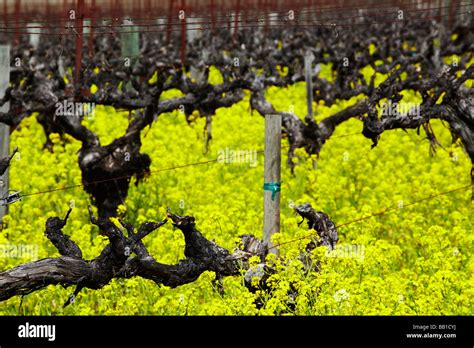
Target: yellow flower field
x=415, y=260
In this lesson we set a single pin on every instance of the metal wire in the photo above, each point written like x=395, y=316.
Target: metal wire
x=226, y=27
x=385, y=211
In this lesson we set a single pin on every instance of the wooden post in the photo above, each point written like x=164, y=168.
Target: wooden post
x=17, y=21
x=193, y=31
x=4, y=129
x=236, y=23
x=79, y=29
x=130, y=40
x=170, y=22
x=266, y=14
x=183, y=32
x=34, y=34
x=5, y=17
x=90, y=44
x=308, y=60
x=213, y=16
x=272, y=152
x=453, y=6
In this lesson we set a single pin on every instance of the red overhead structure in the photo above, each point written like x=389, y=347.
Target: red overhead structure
x=163, y=16
x=31, y=10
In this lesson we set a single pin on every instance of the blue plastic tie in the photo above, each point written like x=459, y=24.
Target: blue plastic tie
x=274, y=187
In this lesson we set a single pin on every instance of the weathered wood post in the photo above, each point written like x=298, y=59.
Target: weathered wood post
x=272, y=184
x=79, y=33
x=4, y=129
x=213, y=16
x=236, y=23
x=17, y=22
x=170, y=21
x=90, y=44
x=35, y=32
x=182, y=17
x=193, y=30
x=130, y=39
x=308, y=60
